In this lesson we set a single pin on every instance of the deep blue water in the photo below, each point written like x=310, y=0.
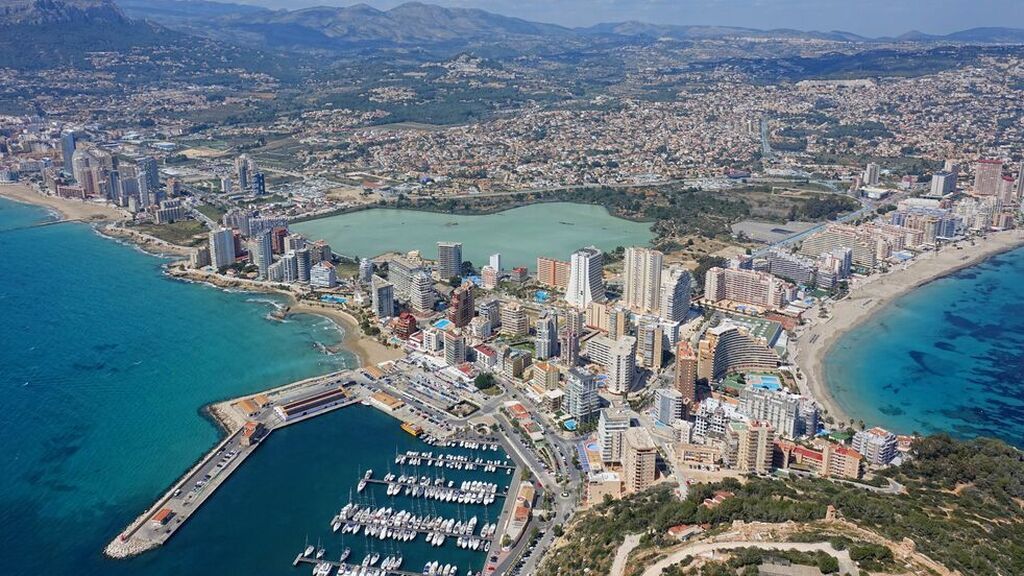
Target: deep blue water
x=105, y=366
x=946, y=357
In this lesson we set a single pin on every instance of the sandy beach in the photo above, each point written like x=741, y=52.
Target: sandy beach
x=368, y=350
x=67, y=208
x=869, y=296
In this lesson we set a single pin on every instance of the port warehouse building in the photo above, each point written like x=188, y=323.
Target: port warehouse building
x=311, y=404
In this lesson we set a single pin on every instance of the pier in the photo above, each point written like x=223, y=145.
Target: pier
x=258, y=419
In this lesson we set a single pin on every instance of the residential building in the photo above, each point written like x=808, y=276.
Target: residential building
x=449, y=260
x=586, y=277
x=222, y=248
x=618, y=358
x=988, y=177
x=489, y=276
x=400, y=273
x=668, y=405
x=545, y=375
x=641, y=279
x=420, y=295
x=304, y=261
x=553, y=273
x=262, y=253
x=569, y=348
x=581, y=399
x=611, y=424
x=877, y=445
x=791, y=415
x=747, y=287
x=323, y=275
x=872, y=174
x=675, y=294
x=454, y=347
x=383, y=297
x=546, y=336
x=461, y=307
x=749, y=447
x=514, y=322
x=649, y=350
x=365, y=270
x=639, y=460
x=686, y=371
x=730, y=348
x=495, y=262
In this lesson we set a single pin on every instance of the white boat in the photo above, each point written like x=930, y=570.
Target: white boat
x=309, y=551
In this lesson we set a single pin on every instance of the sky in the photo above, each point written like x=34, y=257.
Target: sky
x=867, y=17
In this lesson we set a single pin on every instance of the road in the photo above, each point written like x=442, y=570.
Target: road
x=846, y=565
x=622, y=554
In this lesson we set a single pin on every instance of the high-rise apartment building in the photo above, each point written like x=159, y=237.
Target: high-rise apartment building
x=323, y=275
x=988, y=177
x=304, y=262
x=639, y=460
x=872, y=174
x=943, y=183
x=611, y=423
x=222, y=248
x=546, y=337
x=421, y=295
x=580, y=399
x=365, y=270
x=261, y=252
x=243, y=171
x=641, y=279
x=668, y=405
x=401, y=273
x=747, y=287
x=514, y=322
x=569, y=348
x=649, y=343
x=449, y=260
x=554, y=273
x=68, y=142
x=686, y=371
x=454, y=347
x=586, y=277
x=675, y=294
x=495, y=262
x=618, y=357
x=878, y=445
x=382, y=295
x=749, y=446
x=461, y=307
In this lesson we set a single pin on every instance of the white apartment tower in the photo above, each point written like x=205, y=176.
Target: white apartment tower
x=675, y=294
x=641, y=278
x=586, y=277
x=222, y=248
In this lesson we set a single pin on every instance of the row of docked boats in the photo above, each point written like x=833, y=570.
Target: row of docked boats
x=451, y=461
x=387, y=523
x=467, y=444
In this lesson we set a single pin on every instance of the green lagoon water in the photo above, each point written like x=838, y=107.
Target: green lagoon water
x=105, y=366
x=520, y=234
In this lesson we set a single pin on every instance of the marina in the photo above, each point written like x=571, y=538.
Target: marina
x=451, y=461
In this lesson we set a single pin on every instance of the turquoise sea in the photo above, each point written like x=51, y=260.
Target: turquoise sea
x=948, y=356
x=105, y=366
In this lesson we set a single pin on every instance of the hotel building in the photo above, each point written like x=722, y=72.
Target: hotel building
x=730, y=348
x=639, y=460
x=553, y=273
x=449, y=260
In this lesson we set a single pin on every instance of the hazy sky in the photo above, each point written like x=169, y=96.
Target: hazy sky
x=868, y=17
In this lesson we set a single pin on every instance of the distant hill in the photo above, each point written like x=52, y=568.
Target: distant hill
x=35, y=12
x=422, y=25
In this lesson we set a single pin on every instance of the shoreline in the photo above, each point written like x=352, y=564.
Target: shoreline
x=65, y=208
x=368, y=352
x=871, y=296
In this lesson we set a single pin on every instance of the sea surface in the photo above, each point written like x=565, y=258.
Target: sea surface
x=105, y=366
x=947, y=357
x=521, y=234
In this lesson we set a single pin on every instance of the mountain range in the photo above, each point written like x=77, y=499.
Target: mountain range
x=64, y=29
x=416, y=23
